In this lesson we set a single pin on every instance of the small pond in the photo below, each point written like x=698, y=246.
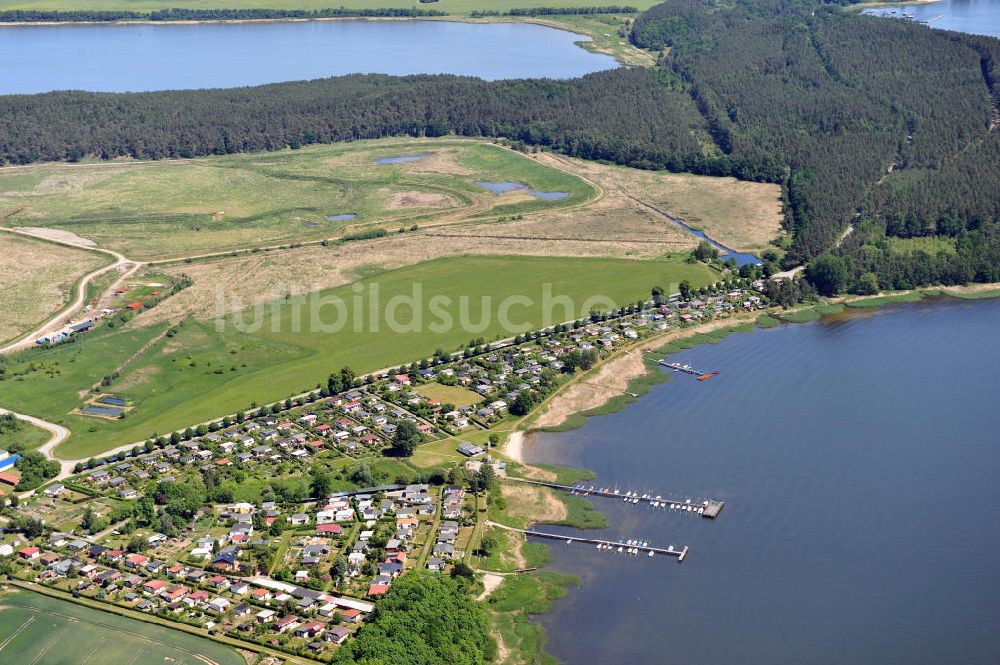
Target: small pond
x=404, y=159
x=503, y=187
x=342, y=217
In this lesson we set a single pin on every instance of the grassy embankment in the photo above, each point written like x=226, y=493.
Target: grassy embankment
x=36, y=278
x=178, y=208
x=203, y=371
x=39, y=629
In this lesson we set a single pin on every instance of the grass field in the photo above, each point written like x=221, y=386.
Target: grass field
x=204, y=371
x=183, y=207
x=930, y=245
x=40, y=630
x=456, y=7
x=28, y=436
x=743, y=215
x=449, y=394
x=35, y=280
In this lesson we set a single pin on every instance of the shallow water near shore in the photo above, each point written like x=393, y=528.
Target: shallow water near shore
x=138, y=57
x=858, y=459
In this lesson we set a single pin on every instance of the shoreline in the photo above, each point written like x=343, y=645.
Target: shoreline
x=580, y=395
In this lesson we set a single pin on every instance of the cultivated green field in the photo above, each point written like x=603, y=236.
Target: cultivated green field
x=184, y=207
x=205, y=370
x=456, y=7
x=41, y=630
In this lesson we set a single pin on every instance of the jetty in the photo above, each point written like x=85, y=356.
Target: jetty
x=707, y=508
x=687, y=369
x=629, y=547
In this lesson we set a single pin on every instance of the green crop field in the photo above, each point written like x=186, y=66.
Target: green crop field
x=455, y=7
x=205, y=370
x=47, y=631
x=183, y=207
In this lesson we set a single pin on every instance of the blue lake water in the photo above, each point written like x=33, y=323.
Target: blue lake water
x=404, y=159
x=858, y=458
x=120, y=58
x=502, y=187
x=979, y=17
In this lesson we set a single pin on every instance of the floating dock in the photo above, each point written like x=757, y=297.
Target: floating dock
x=708, y=508
x=687, y=369
x=629, y=547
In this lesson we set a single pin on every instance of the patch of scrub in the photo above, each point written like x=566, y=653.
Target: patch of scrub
x=503, y=187
x=342, y=217
x=403, y=159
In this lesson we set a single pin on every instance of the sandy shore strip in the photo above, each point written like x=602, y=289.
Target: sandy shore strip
x=515, y=447
x=613, y=377
x=490, y=583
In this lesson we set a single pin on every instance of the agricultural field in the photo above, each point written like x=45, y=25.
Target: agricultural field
x=455, y=7
x=36, y=279
x=202, y=370
x=40, y=629
x=176, y=208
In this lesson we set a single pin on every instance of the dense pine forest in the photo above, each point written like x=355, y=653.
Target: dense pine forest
x=885, y=126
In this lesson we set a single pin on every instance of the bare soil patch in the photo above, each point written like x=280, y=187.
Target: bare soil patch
x=539, y=504
x=56, y=234
x=441, y=161
x=413, y=199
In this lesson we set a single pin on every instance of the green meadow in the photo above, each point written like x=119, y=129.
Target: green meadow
x=176, y=208
x=203, y=370
x=40, y=629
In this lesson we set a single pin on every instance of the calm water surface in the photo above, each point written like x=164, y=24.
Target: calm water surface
x=979, y=17
x=859, y=460
x=120, y=58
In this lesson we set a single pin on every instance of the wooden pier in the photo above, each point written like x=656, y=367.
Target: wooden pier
x=708, y=508
x=687, y=369
x=633, y=548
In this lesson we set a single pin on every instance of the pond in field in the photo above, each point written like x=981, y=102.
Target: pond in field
x=858, y=458
x=119, y=58
x=343, y=217
x=504, y=186
x=404, y=159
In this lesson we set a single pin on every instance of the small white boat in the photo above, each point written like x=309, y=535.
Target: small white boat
x=670, y=548
x=619, y=550
x=570, y=540
x=650, y=554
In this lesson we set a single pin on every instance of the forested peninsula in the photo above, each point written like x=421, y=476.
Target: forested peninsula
x=883, y=127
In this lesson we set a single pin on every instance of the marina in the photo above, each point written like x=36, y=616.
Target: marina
x=628, y=547
x=707, y=508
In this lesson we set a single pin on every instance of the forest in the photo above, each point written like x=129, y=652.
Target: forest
x=885, y=126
